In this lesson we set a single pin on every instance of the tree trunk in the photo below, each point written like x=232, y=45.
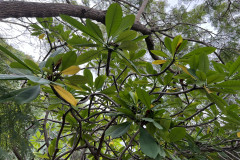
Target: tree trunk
x=16, y=9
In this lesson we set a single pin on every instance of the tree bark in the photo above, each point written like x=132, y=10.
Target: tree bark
x=16, y=9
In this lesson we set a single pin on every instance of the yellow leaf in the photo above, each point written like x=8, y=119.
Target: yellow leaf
x=41, y=36
x=185, y=70
x=67, y=96
x=71, y=70
x=238, y=134
x=152, y=106
x=159, y=61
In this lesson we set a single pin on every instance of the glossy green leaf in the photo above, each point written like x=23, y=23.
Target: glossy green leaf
x=129, y=45
x=68, y=59
x=10, y=96
x=12, y=77
x=230, y=84
x=234, y=67
x=201, y=75
x=88, y=74
x=118, y=130
x=168, y=44
x=28, y=95
x=148, y=144
x=113, y=19
x=125, y=111
x=38, y=79
x=95, y=30
x=131, y=65
x=218, y=101
x=159, y=53
x=139, y=38
x=80, y=27
x=126, y=36
x=77, y=79
x=144, y=97
x=99, y=82
x=194, y=62
x=218, y=67
x=203, y=50
x=126, y=23
x=32, y=64
x=177, y=134
x=215, y=78
x=157, y=125
x=86, y=57
x=203, y=63
x=4, y=50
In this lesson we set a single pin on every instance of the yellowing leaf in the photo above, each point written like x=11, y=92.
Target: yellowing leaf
x=179, y=42
x=185, y=70
x=71, y=70
x=238, y=134
x=67, y=96
x=159, y=62
x=208, y=91
x=152, y=106
x=41, y=36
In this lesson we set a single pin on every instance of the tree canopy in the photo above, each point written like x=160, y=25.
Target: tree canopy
x=123, y=80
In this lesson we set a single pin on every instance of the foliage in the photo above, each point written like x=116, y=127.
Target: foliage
x=107, y=102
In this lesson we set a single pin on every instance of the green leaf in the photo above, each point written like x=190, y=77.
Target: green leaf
x=201, y=75
x=87, y=73
x=128, y=61
x=86, y=57
x=215, y=78
x=144, y=97
x=177, y=134
x=94, y=29
x=38, y=79
x=218, y=101
x=148, y=144
x=139, y=38
x=218, y=67
x=4, y=50
x=80, y=27
x=10, y=96
x=194, y=62
x=129, y=45
x=157, y=125
x=159, y=53
x=32, y=64
x=51, y=147
x=176, y=43
x=204, y=50
x=126, y=23
x=12, y=77
x=27, y=95
x=126, y=36
x=118, y=130
x=203, y=63
x=168, y=44
x=230, y=84
x=113, y=18
x=77, y=79
x=99, y=82
x=234, y=67
x=126, y=111
x=68, y=59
